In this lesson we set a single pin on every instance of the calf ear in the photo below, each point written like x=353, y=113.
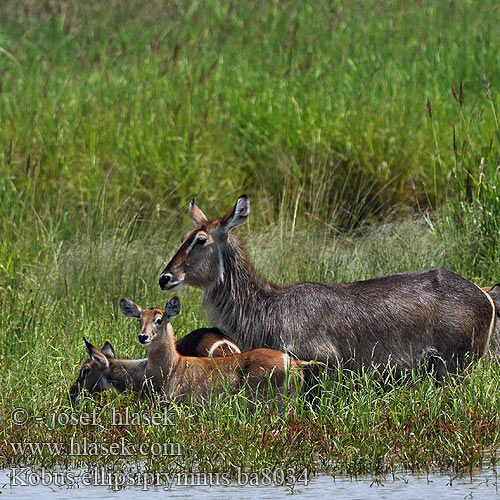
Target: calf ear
x=237, y=216
x=107, y=350
x=197, y=216
x=96, y=355
x=172, y=309
x=129, y=308
x=88, y=346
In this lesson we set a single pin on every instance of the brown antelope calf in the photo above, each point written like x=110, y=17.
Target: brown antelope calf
x=103, y=370
x=396, y=320
x=201, y=342
x=181, y=377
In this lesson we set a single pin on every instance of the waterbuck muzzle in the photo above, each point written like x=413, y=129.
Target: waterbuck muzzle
x=168, y=281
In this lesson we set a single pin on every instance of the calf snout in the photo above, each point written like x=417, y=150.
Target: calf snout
x=143, y=339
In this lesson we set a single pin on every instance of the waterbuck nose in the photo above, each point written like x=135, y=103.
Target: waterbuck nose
x=142, y=338
x=165, y=279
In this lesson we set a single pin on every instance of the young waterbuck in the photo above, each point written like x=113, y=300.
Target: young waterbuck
x=103, y=370
x=201, y=342
x=181, y=377
x=395, y=320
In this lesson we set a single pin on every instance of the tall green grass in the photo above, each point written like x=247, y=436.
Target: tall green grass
x=316, y=101
x=356, y=426
x=471, y=221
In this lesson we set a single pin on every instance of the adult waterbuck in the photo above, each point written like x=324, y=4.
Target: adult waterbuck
x=396, y=320
x=184, y=377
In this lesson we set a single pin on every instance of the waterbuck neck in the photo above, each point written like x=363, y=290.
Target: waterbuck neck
x=127, y=374
x=235, y=301
x=162, y=353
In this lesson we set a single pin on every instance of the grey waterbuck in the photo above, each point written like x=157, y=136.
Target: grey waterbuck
x=182, y=377
x=397, y=320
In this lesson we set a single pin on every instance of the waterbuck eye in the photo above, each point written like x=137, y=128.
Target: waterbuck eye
x=158, y=321
x=201, y=240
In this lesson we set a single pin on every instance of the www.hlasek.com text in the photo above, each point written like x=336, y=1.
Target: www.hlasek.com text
x=84, y=447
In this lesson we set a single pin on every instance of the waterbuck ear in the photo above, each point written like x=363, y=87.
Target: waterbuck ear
x=172, y=309
x=107, y=350
x=238, y=215
x=197, y=216
x=129, y=308
x=96, y=355
x=88, y=346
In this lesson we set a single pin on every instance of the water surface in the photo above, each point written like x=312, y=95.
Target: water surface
x=60, y=485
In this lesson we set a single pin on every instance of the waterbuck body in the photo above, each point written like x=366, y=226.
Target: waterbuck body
x=397, y=320
x=184, y=377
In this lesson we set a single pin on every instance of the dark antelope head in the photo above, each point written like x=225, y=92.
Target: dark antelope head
x=152, y=320
x=93, y=376
x=199, y=260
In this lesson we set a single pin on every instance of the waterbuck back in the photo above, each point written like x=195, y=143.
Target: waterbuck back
x=207, y=342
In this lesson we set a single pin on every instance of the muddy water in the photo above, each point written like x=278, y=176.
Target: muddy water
x=74, y=485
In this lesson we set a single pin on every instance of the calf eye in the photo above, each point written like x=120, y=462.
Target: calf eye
x=158, y=321
x=201, y=241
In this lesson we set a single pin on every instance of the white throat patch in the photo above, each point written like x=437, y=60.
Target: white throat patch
x=221, y=268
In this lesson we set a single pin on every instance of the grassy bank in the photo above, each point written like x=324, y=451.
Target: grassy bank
x=146, y=106
x=357, y=426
